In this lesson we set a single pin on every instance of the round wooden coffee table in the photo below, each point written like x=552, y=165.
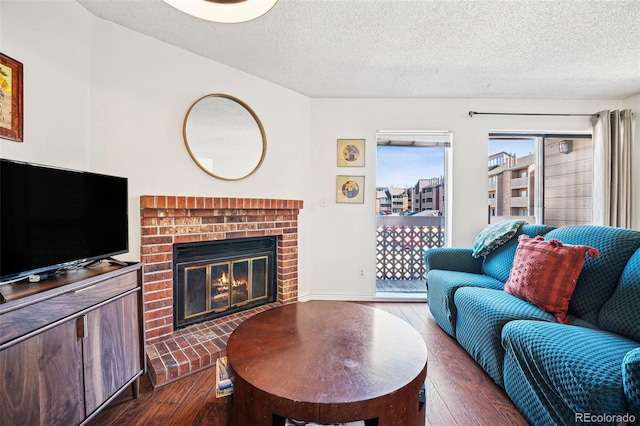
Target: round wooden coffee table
x=326, y=362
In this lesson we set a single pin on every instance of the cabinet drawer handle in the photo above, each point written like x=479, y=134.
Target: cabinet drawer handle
x=86, y=288
x=81, y=327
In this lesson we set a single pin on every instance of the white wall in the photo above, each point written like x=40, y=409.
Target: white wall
x=141, y=90
x=104, y=98
x=53, y=42
x=344, y=234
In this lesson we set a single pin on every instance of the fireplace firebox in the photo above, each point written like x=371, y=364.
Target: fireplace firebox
x=216, y=278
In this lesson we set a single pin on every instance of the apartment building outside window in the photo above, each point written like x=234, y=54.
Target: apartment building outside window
x=530, y=178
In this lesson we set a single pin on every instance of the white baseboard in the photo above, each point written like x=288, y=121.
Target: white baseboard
x=338, y=297
x=378, y=297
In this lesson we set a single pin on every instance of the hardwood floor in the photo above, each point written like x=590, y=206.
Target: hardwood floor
x=458, y=390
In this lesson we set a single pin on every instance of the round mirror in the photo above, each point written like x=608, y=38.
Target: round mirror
x=224, y=137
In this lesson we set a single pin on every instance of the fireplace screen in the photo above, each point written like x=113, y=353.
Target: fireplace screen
x=214, y=279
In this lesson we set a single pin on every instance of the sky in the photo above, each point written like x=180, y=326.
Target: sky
x=520, y=147
x=402, y=167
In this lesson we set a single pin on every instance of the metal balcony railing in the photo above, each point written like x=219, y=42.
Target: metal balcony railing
x=401, y=242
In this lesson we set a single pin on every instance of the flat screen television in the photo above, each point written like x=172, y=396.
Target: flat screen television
x=52, y=218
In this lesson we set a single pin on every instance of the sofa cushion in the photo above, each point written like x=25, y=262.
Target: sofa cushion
x=497, y=264
x=600, y=275
x=631, y=381
x=442, y=286
x=544, y=273
x=554, y=371
x=481, y=314
x=494, y=235
x=620, y=313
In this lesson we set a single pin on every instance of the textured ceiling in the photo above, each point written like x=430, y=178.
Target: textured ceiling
x=554, y=49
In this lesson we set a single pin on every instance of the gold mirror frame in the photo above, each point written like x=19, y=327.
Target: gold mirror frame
x=214, y=126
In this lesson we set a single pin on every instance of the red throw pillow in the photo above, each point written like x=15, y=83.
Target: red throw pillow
x=545, y=273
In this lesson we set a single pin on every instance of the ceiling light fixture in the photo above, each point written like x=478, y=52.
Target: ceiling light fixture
x=224, y=11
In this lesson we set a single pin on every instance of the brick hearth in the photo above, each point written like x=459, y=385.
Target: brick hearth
x=166, y=220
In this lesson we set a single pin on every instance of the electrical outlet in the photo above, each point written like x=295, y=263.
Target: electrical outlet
x=361, y=272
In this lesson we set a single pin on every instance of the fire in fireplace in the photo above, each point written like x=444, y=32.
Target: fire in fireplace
x=216, y=278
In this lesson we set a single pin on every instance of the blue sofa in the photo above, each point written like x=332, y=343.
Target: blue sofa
x=556, y=374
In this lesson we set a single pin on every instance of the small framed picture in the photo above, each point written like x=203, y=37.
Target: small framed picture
x=11, y=118
x=351, y=152
x=350, y=189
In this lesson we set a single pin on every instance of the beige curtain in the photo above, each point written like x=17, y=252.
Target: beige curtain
x=612, y=141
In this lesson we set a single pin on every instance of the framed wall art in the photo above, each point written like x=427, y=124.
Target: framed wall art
x=351, y=152
x=350, y=189
x=11, y=111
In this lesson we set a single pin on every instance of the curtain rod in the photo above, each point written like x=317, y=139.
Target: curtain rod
x=472, y=113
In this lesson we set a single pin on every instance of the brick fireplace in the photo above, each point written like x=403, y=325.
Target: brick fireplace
x=169, y=220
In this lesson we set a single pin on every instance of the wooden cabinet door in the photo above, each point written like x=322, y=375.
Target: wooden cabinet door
x=111, y=349
x=41, y=379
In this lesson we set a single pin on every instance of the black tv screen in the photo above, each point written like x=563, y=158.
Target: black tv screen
x=51, y=217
